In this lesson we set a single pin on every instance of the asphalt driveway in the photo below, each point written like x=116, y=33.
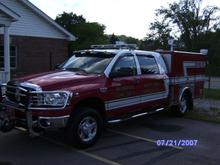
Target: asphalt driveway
x=132, y=142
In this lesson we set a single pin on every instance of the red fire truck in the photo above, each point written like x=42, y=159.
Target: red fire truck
x=106, y=84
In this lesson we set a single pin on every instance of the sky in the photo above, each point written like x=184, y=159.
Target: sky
x=121, y=17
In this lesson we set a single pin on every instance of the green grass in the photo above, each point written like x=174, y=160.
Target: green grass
x=197, y=114
x=212, y=94
x=212, y=114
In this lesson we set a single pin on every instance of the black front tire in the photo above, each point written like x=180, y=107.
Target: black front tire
x=84, y=127
x=7, y=126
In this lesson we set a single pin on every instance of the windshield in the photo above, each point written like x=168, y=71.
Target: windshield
x=89, y=62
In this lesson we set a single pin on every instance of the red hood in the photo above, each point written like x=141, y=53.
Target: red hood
x=58, y=79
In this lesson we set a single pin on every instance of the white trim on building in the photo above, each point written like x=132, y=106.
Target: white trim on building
x=14, y=16
x=22, y=18
x=47, y=18
x=7, y=17
x=33, y=22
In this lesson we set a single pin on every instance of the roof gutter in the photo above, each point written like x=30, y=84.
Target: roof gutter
x=50, y=20
x=9, y=12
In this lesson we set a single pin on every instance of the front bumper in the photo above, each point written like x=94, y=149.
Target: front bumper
x=42, y=122
x=27, y=120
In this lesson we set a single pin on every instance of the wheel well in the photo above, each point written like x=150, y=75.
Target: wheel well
x=188, y=93
x=94, y=103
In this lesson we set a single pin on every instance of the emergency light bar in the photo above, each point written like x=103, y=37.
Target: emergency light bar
x=115, y=46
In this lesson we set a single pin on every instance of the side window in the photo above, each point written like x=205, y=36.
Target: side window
x=13, y=57
x=125, y=66
x=148, y=64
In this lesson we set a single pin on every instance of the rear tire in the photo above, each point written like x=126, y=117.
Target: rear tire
x=184, y=105
x=84, y=128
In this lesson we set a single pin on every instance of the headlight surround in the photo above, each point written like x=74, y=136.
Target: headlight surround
x=55, y=99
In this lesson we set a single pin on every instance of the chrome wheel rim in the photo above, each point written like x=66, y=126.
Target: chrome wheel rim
x=87, y=129
x=183, y=105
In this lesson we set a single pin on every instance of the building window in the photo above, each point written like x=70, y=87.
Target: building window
x=13, y=57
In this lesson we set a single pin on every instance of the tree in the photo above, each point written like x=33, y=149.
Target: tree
x=87, y=33
x=113, y=38
x=158, y=38
x=128, y=39
x=68, y=19
x=190, y=20
x=211, y=41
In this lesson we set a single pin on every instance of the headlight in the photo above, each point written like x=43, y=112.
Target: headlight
x=56, y=99
x=51, y=99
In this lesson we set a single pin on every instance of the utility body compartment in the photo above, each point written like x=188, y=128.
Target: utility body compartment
x=185, y=70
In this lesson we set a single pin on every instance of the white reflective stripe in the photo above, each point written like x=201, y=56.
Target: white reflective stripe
x=109, y=105
x=187, y=65
x=187, y=79
x=192, y=64
x=122, y=103
x=152, y=97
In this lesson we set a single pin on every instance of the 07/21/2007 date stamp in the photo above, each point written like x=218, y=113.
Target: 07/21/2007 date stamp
x=180, y=142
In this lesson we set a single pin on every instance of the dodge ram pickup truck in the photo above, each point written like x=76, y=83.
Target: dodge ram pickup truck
x=105, y=84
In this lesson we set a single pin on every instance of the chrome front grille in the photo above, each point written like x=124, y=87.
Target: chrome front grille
x=17, y=95
x=30, y=96
x=36, y=100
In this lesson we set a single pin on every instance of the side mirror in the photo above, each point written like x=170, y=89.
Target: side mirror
x=122, y=72
x=113, y=75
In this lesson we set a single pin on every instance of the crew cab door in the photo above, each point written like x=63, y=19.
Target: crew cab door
x=154, y=85
x=123, y=86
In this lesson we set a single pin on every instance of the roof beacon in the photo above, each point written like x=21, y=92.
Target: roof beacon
x=115, y=46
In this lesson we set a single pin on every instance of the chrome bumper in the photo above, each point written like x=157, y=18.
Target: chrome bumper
x=43, y=122
x=31, y=122
x=53, y=122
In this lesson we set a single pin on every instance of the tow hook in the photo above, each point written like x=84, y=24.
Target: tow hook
x=6, y=124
